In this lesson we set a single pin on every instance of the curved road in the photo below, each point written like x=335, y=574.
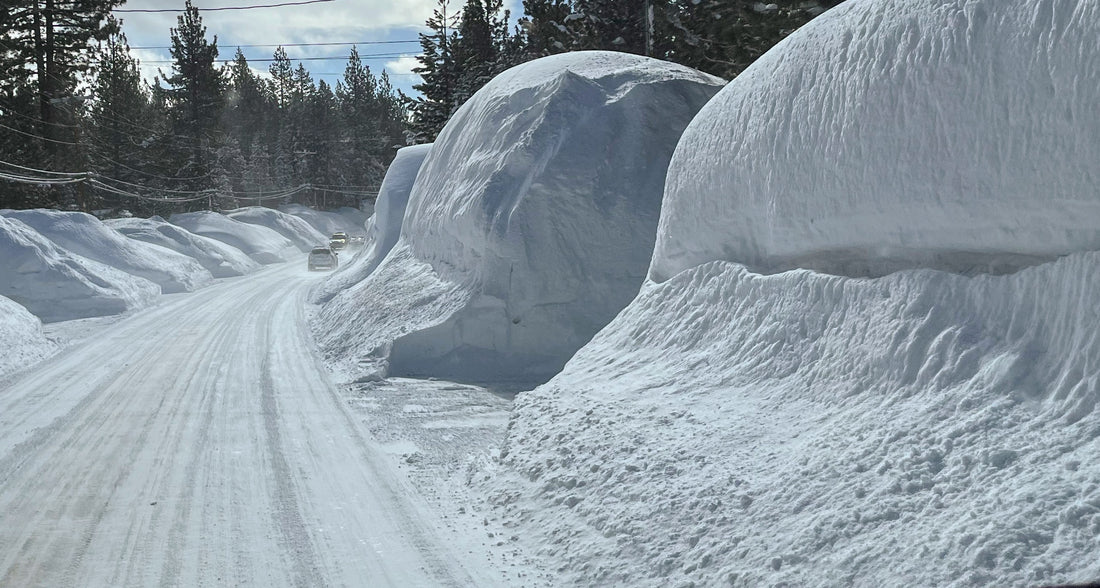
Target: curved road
x=202, y=443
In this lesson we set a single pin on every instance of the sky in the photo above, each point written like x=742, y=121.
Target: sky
x=385, y=32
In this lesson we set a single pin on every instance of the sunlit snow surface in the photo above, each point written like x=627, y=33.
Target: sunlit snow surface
x=218, y=258
x=262, y=244
x=85, y=235
x=534, y=212
x=297, y=230
x=56, y=284
x=929, y=427
x=927, y=133
x=21, y=339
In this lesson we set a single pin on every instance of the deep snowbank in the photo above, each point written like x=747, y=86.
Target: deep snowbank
x=946, y=134
x=384, y=227
x=349, y=220
x=924, y=428
x=85, y=235
x=21, y=339
x=57, y=285
x=260, y=243
x=540, y=200
x=221, y=260
x=297, y=230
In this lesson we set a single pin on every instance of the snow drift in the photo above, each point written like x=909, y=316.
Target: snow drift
x=298, y=231
x=260, y=243
x=935, y=425
x=57, y=285
x=21, y=339
x=952, y=135
x=384, y=227
x=221, y=260
x=536, y=209
x=85, y=235
x=349, y=220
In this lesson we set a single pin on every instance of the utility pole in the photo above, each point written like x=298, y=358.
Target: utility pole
x=648, y=20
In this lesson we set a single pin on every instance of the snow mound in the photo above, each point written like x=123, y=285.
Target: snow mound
x=349, y=220
x=221, y=260
x=298, y=231
x=540, y=199
x=806, y=429
x=87, y=236
x=950, y=134
x=57, y=285
x=262, y=244
x=384, y=227
x=22, y=341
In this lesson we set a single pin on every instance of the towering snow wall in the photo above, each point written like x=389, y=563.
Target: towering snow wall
x=946, y=134
x=385, y=226
x=541, y=197
x=922, y=427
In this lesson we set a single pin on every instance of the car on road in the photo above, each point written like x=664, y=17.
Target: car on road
x=338, y=241
x=323, y=258
x=357, y=240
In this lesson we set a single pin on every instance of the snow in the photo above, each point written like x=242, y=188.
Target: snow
x=22, y=341
x=262, y=244
x=85, y=235
x=349, y=220
x=945, y=134
x=384, y=227
x=298, y=231
x=56, y=285
x=531, y=221
x=866, y=352
x=221, y=260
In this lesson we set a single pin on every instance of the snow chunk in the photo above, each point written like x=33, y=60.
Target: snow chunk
x=297, y=230
x=21, y=339
x=58, y=285
x=87, y=236
x=260, y=243
x=540, y=199
x=349, y=220
x=384, y=227
x=219, y=259
x=952, y=134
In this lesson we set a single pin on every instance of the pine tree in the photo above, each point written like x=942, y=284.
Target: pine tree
x=195, y=99
x=439, y=71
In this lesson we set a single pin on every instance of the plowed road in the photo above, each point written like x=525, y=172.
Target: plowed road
x=201, y=443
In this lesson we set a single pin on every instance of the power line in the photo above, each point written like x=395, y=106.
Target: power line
x=298, y=44
x=37, y=137
x=222, y=7
x=328, y=58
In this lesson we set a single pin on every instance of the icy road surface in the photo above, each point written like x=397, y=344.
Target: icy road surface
x=202, y=443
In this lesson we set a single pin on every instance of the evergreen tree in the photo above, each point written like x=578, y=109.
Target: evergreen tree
x=439, y=71
x=195, y=99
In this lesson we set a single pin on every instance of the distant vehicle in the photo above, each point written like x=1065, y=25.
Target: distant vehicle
x=338, y=241
x=357, y=240
x=322, y=258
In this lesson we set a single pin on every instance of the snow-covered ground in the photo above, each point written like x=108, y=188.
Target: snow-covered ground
x=22, y=341
x=55, y=284
x=298, y=231
x=85, y=235
x=349, y=220
x=933, y=426
x=221, y=260
x=262, y=244
x=530, y=223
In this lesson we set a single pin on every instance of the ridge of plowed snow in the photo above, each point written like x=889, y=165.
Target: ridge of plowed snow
x=539, y=200
x=946, y=134
x=87, y=236
x=349, y=220
x=384, y=228
x=297, y=230
x=262, y=244
x=220, y=259
x=57, y=285
x=21, y=339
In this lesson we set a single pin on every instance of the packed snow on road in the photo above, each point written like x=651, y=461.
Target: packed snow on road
x=831, y=323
